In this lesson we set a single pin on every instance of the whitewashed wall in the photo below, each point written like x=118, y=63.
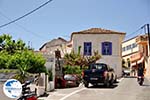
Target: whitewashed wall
x=114, y=60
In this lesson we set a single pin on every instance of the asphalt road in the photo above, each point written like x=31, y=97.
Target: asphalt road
x=127, y=89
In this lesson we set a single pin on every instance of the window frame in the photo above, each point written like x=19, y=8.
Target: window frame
x=106, y=50
x=87, y=48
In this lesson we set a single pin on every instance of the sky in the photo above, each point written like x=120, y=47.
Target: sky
x=59, y=18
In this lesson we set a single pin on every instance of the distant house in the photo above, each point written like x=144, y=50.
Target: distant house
x=56, y=44
x=106, y=42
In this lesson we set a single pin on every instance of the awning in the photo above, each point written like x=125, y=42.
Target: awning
x=141, y=60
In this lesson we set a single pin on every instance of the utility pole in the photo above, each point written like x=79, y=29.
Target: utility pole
x=148, y=32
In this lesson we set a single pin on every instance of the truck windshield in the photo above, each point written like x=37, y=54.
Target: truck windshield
x=98, y=66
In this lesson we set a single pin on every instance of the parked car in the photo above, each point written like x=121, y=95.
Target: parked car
x=99, y=73
x=71, y=80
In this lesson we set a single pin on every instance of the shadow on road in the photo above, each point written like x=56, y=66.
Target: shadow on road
x=129, y=77
x=103, y=87
x=71, y=87
x=147, y=85
x=44, y=95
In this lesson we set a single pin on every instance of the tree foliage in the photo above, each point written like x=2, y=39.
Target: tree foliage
x=76, y=59
x=11, y=46
x=4, y=58
x=14, y=54
x=72, y=70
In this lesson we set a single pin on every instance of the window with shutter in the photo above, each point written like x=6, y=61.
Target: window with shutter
x=87, y=48
x=106, y=48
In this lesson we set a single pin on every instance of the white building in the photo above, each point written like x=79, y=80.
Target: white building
x=108, y=43
x=135, y=50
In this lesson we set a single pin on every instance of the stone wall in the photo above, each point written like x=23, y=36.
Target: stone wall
x=5, y=76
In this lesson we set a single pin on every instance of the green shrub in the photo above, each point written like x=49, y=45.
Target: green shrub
x=72, y=70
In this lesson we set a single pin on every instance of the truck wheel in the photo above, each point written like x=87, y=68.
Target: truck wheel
x=107, y=82
x=77, y=84
x=112, y=80
x=86, y=84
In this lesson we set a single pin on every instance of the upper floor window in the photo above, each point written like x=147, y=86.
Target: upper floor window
x=128, y=47
x=106, y=48
x=134, y=45
x=124, y=49
x=87, y=48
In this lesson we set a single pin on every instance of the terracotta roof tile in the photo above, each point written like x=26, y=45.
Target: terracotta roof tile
x=98, y=30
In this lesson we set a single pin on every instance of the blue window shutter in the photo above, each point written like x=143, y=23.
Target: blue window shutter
x=85, y=51
x=110, y=48
x=90, y=50
x=103, y=49
x=87, y=48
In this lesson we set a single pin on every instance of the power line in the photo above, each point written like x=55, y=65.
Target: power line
x=26, y=14
x=25, y=29
x=135, y=32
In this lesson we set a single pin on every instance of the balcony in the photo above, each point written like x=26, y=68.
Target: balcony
x=142, y=39
x=136, y=56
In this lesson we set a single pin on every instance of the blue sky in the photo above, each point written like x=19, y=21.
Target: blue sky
x=60, y=18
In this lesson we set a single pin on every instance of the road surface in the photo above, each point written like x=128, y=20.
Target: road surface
x=127, y=89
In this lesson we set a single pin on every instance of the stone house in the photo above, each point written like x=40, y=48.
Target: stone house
x=56, y=44
x=107, y=42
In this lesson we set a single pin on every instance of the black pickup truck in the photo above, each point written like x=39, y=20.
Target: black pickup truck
x=98, y=73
